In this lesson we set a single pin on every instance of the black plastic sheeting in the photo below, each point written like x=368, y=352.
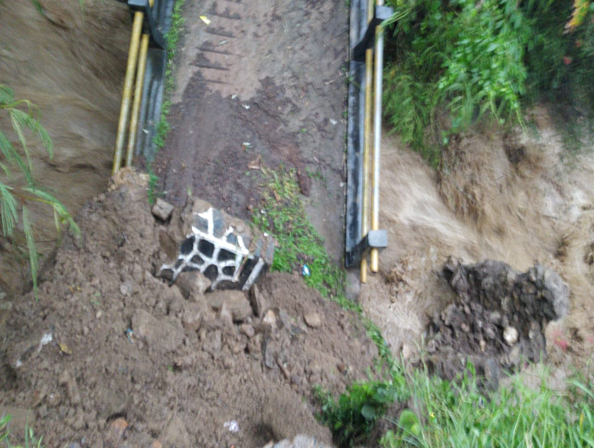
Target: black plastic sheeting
x=355, y=131
x=158, y=24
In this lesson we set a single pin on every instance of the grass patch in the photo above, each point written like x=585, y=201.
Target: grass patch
x=5, y=438
x=457, y=414
x=282, y=214
x=163, y=128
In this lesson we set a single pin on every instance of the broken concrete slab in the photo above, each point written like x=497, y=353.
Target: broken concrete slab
x=224, y=248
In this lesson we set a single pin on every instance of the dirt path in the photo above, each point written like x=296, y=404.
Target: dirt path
x=261, y=85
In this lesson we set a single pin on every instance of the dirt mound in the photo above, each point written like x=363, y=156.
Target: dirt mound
x=515, y=197
x=108, y=345
x=499, y=319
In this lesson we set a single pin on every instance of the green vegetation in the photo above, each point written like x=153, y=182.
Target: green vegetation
x=435, y=413
x=30, y=440
x=451, y=64
x=24, y=117
x=283, y=216
x=163, y=128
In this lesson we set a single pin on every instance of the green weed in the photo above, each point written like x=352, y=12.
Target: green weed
x=299, y=244
x=457, y=414
x=30, y=440
x=163, y=128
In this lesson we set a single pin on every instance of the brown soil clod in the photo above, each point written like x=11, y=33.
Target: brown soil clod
x=499, y=319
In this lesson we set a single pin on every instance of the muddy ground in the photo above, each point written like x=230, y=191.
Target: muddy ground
x=185, y=372
x=262, y=85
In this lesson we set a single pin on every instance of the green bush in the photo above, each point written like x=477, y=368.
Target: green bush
x=452, y=63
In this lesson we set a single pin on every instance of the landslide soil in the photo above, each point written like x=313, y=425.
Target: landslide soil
x=173, y=385
x=260, y=86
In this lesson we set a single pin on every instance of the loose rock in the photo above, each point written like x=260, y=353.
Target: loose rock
x=162, y=209
x=312, y=320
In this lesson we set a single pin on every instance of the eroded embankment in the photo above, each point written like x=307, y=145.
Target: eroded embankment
x=69, y=61
x=514, y=198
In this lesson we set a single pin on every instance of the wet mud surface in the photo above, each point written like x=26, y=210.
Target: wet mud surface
x=263, y=85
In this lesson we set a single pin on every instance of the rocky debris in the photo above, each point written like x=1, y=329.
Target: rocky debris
x=192, y=316
x=234, y=301
x=258, y=302
x=150, y=356
x=312, y=320
x=300, y=441
x=162, y=209
x=499, y=318
x=274, y=415
x=165, y=334
x=115, y=433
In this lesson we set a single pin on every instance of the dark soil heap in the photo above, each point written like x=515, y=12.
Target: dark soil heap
x=181, y=366
x=499, y=319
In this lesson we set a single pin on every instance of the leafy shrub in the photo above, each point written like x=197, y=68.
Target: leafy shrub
x=354, y=415
x=452, y=63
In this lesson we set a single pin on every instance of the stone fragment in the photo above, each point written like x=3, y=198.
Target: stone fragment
x=235, y=301
x=269, y=319
x=192, y=317
x=164, y=334
x=312, y=320
x=115, y=433
x=248, y=330
x=258, y=301
x=176, y=434
x=510, y=334
x=162, y=209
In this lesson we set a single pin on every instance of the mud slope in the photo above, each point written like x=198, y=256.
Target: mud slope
x=261, y=85
x=514, y=198
x=70, y=63
x=184, y=373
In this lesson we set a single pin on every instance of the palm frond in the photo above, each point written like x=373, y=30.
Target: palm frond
x=8, y=210
x=61, y=215
x=33, y=256
x=6, y=95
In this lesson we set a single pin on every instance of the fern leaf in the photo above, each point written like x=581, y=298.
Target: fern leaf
x=33, y=256
x=18, y=118
x=7, y=149
x=59, y=209
x=6, y=95
x=8, y=210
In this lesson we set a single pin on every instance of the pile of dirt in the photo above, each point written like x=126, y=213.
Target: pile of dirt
x=498, y=320
x=510, y=196
x=109, y=355
x=68, y=58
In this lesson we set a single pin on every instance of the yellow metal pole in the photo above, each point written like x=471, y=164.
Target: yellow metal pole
x=377, y=137
x=367, y=140
x=144, y=46
x=127, y=96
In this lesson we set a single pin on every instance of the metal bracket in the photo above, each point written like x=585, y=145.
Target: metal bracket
x=381, y=14
x=375, y=239
x=150, y=26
